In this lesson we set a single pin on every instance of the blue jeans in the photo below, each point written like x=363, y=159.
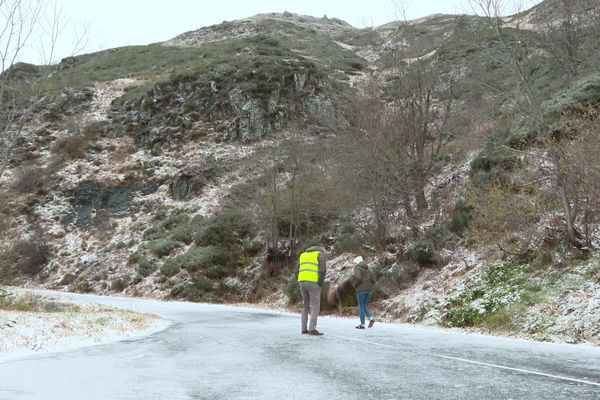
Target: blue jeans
x=363, y=298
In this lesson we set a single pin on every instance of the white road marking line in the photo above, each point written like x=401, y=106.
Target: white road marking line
x=524, y=371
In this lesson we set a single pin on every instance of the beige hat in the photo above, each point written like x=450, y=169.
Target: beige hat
x=358, y=260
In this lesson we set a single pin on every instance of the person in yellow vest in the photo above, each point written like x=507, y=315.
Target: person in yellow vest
x=310, y=273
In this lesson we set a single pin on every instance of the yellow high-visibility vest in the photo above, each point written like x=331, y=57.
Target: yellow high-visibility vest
x=309, y=266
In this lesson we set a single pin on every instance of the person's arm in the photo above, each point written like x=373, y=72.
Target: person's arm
x=356, y=276
x=322, y=267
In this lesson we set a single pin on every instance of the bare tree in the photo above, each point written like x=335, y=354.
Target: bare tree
x=516, y=52
x=18, y=21
x=372, y=158
x=416, y=89
x=582, y=166
x=424, y=102
x=563, y=29
x=53, y=24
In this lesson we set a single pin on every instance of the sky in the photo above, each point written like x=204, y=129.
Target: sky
x=114, y=23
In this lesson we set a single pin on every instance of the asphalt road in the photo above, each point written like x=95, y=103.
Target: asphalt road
x=218, y=352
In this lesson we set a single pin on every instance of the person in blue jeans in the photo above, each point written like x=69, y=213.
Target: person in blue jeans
x=363, y=280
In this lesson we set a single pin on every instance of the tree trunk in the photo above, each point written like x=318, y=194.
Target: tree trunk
x=570, y=226
x=408, y=208
x=380, y=233
x=274, y=226
x=420, y=198
x=292, y=209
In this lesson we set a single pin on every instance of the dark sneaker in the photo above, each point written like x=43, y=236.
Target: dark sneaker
x=304, y=332
x=371, y=323
x=315, y=333
x=360, y=327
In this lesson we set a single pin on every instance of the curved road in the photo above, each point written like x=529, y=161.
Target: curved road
x=219, y=352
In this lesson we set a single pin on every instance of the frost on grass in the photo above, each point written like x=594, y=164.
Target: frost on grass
x=31, y=324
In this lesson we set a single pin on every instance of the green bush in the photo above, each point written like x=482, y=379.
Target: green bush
x=460, y=217
x=487, y=299
x=145, y=267
x=166, y=226
x=183, y=234
x=423, y=253
x=170, y=269
x=393, y=278
x=119, y=284
x=224, y=229
x=202, y=258
x=196, y=290
x=487, y=162
x=217, y=272
x=163, y=247
x=134, y=257
x=293, y=292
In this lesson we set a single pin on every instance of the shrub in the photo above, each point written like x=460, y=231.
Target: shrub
x=293, y=292
x=186, y=233
x=30, y=180
x=83, y=287
x=201, y=258
x=489, y=179
x=196, y=290
x=460, y=217
x=68, y=279
x=176, y=220
x=486, y=299
x=163, y=247
x=145, y=267
x=26, y=256
x=423, y=253
x=217, y=272
x=170, y=269
x=134, y=257
x=224, y=229
x=71, y=147
x=349, y=243
x=119, y=284
x=395, y=277
x=163, y=229
x=8, y=301
x=252, y=248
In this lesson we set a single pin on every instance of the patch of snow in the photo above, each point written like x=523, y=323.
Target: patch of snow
x=423, y=57
x=27, y=333
x=345, y=46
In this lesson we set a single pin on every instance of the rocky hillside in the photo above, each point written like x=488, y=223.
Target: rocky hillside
x=456, y=153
